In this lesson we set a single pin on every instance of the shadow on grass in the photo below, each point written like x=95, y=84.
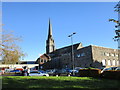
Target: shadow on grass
x=58, y=82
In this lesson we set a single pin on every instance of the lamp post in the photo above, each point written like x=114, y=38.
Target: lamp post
x=72, y=51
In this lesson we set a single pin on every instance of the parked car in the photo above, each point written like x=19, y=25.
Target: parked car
x=8, y=70
x=50, y=72
x=118, y=68
x=75, y=71
x=38, y=73
x=42, y=71
x=16, y=71
x=61, y=72
x=107, y=69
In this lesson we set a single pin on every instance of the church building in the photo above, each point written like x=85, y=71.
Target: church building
x=84, y=56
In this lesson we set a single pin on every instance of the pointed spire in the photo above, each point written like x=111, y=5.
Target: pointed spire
x=50, y=46
x=50, y=30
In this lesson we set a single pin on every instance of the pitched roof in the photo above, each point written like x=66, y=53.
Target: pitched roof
x=67, y=48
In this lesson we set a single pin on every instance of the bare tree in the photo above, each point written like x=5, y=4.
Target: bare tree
x=11, y=52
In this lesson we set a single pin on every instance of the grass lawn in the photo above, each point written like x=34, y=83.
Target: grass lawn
x=57, y=82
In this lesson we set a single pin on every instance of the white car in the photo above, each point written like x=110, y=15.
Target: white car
x=37, y=73
x=107, y=69
x=118, y=68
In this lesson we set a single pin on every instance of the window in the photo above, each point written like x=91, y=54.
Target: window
x=78, y=55
x=102, y=54
x=106, y=54
x=113, y=63
x=82, y=54
x=45, y=61
x=118, y=63
x=109, y=63
x=112, y=54
x=103, y=62
x=41, y=60
x=116, y=55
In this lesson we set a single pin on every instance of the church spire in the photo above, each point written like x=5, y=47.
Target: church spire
x=50, y=47
x=50, y=29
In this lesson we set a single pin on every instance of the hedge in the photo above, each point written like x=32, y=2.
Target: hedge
x=111, y=74
x=89, y=72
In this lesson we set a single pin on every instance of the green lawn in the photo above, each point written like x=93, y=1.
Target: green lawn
x=57, y=82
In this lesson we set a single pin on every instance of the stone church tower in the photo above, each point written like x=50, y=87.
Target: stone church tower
x=50, y=46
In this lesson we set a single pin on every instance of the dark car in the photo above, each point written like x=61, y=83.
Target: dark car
x=61, y=72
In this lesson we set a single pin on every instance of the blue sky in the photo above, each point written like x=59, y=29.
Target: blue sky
x=88, y=19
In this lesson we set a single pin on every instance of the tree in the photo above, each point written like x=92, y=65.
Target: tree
x=11, y=52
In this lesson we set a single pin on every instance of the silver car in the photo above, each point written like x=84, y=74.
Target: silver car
x=37, y=73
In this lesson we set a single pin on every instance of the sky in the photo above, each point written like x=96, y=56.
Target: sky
x=88, y=19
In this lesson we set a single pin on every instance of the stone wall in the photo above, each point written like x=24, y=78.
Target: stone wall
x=83, y=57
x=106, y=56
x=90, y=56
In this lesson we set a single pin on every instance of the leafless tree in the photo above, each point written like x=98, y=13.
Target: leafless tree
x=11, y=52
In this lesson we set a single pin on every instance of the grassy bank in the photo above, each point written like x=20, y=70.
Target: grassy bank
x=57, y=82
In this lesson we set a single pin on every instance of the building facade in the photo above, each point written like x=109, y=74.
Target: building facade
x=85, y=57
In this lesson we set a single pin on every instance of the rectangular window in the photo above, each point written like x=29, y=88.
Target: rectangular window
x=106, y=54
x=116, y=55
x=45, y=61
x=82, y=54
x=78, y=55
x=118, y=62
x=112, y=54
x=41, y=60
x=109, y=63
x=114, y=62
x=103, y=62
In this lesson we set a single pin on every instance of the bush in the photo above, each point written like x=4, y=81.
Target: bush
x=89, y=72
x=111, y=74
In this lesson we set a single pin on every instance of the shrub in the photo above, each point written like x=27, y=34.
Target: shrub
x=89, y=72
